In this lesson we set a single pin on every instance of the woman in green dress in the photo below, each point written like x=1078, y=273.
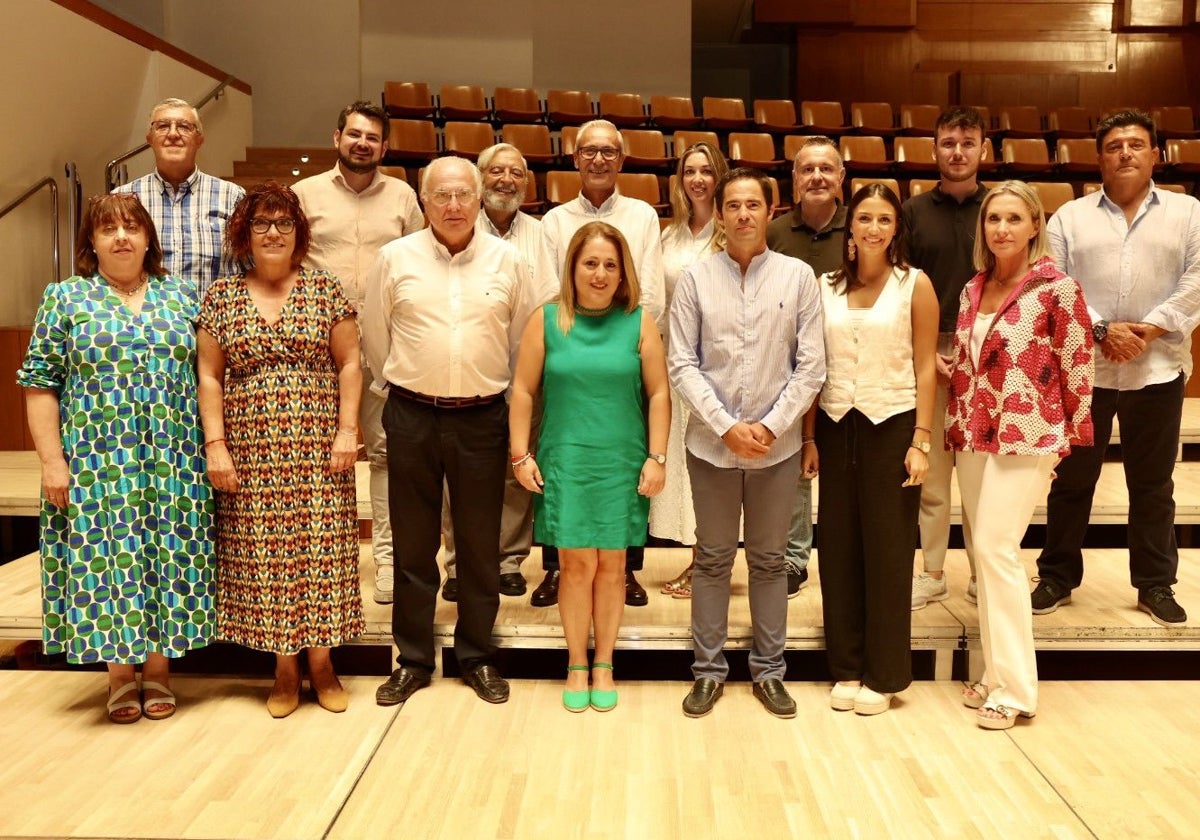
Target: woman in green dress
x=127, y=511
x=599, y=359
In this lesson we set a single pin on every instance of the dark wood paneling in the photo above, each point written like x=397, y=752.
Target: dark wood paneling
x=866, y=13
x=1152, y=12
x=14, y=432
x=1013, y=18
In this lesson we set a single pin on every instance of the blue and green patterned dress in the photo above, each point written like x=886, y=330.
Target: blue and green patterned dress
x=127, y=568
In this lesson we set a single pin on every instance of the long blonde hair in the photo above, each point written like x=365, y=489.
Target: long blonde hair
x=681, y=205
x=1039, y=246
x=628, y=294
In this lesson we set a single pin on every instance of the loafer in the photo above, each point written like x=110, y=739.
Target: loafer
x=546, y=594
x=512, y=584
x=775, y=698
x=404, y=682
x=1159, y=602
x=450, y=589
x=635, y=595
x=487, y=683
x=384, y=583
x=704, y=695
x=1048, y=596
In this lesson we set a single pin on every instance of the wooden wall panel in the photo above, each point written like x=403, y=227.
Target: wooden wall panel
x=847, y=12
x=1152, y=12
x=14, y=432
x=1014, y=17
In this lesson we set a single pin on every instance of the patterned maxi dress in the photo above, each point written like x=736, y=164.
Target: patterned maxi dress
x=127, y=568
x=287, y=540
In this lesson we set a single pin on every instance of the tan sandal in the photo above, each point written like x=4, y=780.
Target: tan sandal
x=167, y=699
x=116, y=704
x=1007, y=717
x=975, y=695
x=680, y=587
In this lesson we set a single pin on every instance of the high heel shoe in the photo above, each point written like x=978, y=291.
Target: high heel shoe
x=335, y=699
x=576, y=701
x=603, y=700
x=281, y=705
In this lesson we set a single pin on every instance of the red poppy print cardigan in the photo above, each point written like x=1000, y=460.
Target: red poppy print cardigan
x=1032, y=391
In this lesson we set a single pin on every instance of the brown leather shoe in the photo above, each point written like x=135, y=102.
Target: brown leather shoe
x=704, y=695
x=635, y=595
x=775, y=698
x=546, y=595
x=404, y=682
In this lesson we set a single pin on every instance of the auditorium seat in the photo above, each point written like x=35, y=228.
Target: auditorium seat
x=1053, y=194
x=516, y=105
x=1092, y=186
x=468, y=139
x=569, y=107
x=463, y=102
x=408, y=100
x=915, y=154
x=778, y=205
x=989, y=162
x=1021, y=121
x=873, y=118
x=644, y=186
x=1026, y=155
x=986, y=114
x=412, y=140
x=531, y=203
x=623, y=109
x=399, y=172
x=682, y=139
x=1077, y=155
x=864, y=154
x=777, y=116
x=562, y=185
x=920, y=185
x=1069, y=122
x=857, y=184
x=756, y=150
x=1184, y=156
x=645, y=148
x=823, y=118
x=1175, y=122
x=792, y=145
x=533, y=141
x=567, y=141
x=725, y=113
x=673, y=112
x=918, y=120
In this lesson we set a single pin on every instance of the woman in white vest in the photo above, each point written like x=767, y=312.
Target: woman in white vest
x=870, y=437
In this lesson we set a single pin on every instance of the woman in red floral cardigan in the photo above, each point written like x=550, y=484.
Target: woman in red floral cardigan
x=1020, y=396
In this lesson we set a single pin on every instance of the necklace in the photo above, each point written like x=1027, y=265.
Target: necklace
x=128, y=294
x=583, y=310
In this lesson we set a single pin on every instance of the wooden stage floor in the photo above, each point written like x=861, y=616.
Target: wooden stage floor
x=1101, y=760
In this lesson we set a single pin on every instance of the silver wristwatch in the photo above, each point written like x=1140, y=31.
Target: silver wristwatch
x=662, y=459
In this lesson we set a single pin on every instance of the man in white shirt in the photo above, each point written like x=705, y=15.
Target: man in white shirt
x=599, y=153
x=444, y=313
x=1135, y=250
x=354, y=210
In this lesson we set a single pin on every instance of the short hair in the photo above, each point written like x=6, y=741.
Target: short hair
x=960, y=116
x=485, y=157
x=267, y=197
x=818, y=140
x=1039, y=247
x=173, y=102
x=744, y=173
x=369, y=110
x=846, y=276
x=1124, y=119
x=102, y=209
x=681, y=205
x=438, y=164
x=590, y=124
x=629, y=293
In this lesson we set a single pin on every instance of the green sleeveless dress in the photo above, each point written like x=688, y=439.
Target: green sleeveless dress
x=593, y=440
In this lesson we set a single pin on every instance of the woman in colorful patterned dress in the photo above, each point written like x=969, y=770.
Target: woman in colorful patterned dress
x=1020, y=397
x=126, y=508
x=279, y=393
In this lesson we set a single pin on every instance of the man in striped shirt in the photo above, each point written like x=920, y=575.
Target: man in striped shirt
x=747, y=358
x=189, y=208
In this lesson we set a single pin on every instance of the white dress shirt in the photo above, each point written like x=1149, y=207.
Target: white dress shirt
x=524, y=234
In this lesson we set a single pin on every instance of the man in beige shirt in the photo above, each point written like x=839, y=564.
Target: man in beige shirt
x=443, y=316
x=354, y=210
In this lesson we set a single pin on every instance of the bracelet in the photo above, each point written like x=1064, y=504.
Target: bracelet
x=213, y=442
x=806, y=441
x=353, y=434
x=923, y=429
x=516, y=462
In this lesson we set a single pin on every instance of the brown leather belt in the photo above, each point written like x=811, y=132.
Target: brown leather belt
x=446, y=402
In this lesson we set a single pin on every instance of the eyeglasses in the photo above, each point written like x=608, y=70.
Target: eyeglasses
x=606, y=152
x=441, y=198
x=283, y=225
x=182, y=126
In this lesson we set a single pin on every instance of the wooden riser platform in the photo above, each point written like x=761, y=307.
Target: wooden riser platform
x=1100, y=760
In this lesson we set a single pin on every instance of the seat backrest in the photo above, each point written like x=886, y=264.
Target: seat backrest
x=1020, y=118
x=1183, y=151
x=871, y=115
x=1024, y=150
x=857, y=184
x=530, y=139
x=920, y=185
x=622, y=104
x=641, y=185
x=1174, y=118
x=567, y=140
x=751, y=147
x=822, y=113
x=469, y=137
x=643, y=142
x=683, y=139
x=562, y=185
x=862, y=149
x=1069, y=118
x=672, y=106
x=1053, y=195
x=574, y=102
x=923, y=117
x=774, y=112
x=408, y=98
x=723, y=108
x=914, y=149
x=469, y=97
x=985, y=113
x=516, y=101
x=1076, y=150
x=412, y=136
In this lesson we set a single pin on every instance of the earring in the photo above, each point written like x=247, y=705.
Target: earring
x=850, y=250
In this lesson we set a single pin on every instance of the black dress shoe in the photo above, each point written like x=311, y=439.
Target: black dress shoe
x=488, y=683
x=512, y=584
x=546, y=595
x=450, y=589
x=775, y=698
x=404, y=682
x=635, y=595
x=703, y=696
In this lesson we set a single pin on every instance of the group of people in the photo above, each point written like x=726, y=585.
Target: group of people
x=197, y=394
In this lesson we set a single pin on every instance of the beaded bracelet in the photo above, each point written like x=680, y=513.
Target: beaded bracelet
x=214, y=442
x=516, y=462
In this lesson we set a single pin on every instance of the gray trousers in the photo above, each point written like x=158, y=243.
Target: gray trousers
x=371, y=417
x=722, y=497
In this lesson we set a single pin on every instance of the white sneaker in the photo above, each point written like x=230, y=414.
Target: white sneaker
x=972, y=592
x=868, y=702
x=926, y=589
x=384, y=582
x=841, y=699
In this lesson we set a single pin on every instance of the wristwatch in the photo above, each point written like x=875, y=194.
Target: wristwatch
x=661, y=459
x=1099, y=331
x=921, y=446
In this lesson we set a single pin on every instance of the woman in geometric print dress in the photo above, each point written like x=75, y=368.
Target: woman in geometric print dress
x=126, y=521
x=279, y=395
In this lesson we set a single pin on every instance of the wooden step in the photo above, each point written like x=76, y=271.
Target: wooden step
x=291, y=155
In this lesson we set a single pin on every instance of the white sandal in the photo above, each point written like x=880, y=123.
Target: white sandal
x=980, y=695
x=1007, y=721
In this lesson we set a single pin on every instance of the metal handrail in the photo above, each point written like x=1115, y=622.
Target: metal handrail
x=29, y=193
x=109, y=180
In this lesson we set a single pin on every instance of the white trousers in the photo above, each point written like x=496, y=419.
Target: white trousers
x=999, y=493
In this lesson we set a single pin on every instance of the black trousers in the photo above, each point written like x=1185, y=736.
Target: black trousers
x=468, y=449
x=1150, y=419
x=866, y=540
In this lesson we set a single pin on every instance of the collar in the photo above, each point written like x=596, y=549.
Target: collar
x=975, y=198
x=441, y=252
x=187, y=185
x=755, y=262
x=837, y=222
x=486, y=224
x=338, y=177
x=1043, y=269
x=1152, y=197
x=607, y=207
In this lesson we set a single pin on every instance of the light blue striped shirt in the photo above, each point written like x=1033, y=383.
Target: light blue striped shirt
x=750, y=350
x=191, y=223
